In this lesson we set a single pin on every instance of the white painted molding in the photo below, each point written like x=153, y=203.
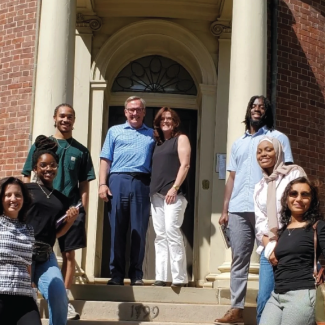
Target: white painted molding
x=207, y=10
x=86, y=7
x=208, y=89
x=220, y=28
x=95, y=84
x=93, y=22
x=145, y=38
x=157, y=100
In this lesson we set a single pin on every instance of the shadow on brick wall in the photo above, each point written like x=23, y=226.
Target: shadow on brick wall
x=301, y=83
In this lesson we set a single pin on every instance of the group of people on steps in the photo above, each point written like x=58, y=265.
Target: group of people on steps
x=267, y=197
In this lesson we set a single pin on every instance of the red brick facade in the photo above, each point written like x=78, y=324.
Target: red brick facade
x=301, y=82
x=17, y=46
x=300, y=86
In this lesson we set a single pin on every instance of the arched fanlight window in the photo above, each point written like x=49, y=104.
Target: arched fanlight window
x=155, y=74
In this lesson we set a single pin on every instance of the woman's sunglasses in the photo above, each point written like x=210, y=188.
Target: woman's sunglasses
x=304, y=195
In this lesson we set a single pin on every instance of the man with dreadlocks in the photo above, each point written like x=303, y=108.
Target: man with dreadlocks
x=238, y=207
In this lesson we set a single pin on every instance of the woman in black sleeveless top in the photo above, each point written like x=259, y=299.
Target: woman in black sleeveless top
x=170, y=165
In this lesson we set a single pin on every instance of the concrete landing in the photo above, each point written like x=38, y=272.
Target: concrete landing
x=100, y=292
x=82, y=322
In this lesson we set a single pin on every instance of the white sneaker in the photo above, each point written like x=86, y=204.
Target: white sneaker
x=72, y=314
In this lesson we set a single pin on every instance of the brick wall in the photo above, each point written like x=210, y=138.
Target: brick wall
x=269, y=48
x=17, y=45
x=300, y=89
x=301, y=82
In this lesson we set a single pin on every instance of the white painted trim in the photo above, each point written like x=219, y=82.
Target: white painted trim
x=152, y=33
x=157, y=100
x=158, y=37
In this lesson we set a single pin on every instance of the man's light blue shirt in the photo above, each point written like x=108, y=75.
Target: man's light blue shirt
x=129, y=150
x=248, y=172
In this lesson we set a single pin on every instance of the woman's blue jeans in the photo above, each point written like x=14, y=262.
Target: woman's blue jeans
x=266, y=285
x=48, y=279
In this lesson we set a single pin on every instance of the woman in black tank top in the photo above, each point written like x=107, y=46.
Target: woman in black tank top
x=170, y=165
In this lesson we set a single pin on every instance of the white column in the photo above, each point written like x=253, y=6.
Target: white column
x=95, y=224
x=81, y=92
x=218, y=251
x=55, y=62
x=55, y=66
x=202, y=227
x=248, y=67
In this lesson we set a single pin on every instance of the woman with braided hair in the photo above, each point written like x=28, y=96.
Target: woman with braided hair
x=47, y=207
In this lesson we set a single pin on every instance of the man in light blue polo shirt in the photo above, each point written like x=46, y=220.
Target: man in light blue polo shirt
x=238, y=207
x=124, y=178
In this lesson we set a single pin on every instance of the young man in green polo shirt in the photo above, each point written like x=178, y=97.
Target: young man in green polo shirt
x=74, y=173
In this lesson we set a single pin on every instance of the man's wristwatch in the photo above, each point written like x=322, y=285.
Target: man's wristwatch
x=176, y=187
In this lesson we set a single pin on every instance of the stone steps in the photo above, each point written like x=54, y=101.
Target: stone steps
x=157, y=313
x=113, y=322
x=100, y=292
x=126, y=305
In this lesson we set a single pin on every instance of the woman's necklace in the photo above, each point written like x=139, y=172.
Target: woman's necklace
x=64, y=148
x=294, y=224
x=47, y=195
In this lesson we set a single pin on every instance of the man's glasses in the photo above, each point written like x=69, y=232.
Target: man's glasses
x=137, y=110
x=304, y=195
x=48, y=166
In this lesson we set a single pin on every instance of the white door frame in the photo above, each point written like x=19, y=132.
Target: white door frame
x=146, y=38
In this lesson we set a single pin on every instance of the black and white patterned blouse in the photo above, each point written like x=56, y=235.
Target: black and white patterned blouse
x=16, y=245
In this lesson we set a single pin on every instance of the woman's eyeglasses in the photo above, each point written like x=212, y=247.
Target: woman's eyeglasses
x=304, y=195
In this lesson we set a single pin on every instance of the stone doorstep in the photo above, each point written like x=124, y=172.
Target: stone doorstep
x=112, y=322
x=191, y=295
x=95, y=292
x=224, y=296
x=158, y=313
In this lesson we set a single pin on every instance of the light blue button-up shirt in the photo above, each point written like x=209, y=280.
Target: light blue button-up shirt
x=130, y=150
x=248, y=172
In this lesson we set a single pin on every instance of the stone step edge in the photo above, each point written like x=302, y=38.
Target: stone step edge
x=40, y=299
x=114, y=322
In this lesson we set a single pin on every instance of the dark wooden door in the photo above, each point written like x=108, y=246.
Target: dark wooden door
x=188, y=127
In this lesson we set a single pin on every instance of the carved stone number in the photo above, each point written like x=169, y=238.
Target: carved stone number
x=144, y=312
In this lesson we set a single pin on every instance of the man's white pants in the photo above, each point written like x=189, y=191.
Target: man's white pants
x=169, y=245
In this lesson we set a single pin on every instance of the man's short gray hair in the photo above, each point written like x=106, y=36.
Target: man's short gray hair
x=135, y=98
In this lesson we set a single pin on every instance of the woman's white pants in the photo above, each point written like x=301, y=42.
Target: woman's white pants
x=169, y=245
